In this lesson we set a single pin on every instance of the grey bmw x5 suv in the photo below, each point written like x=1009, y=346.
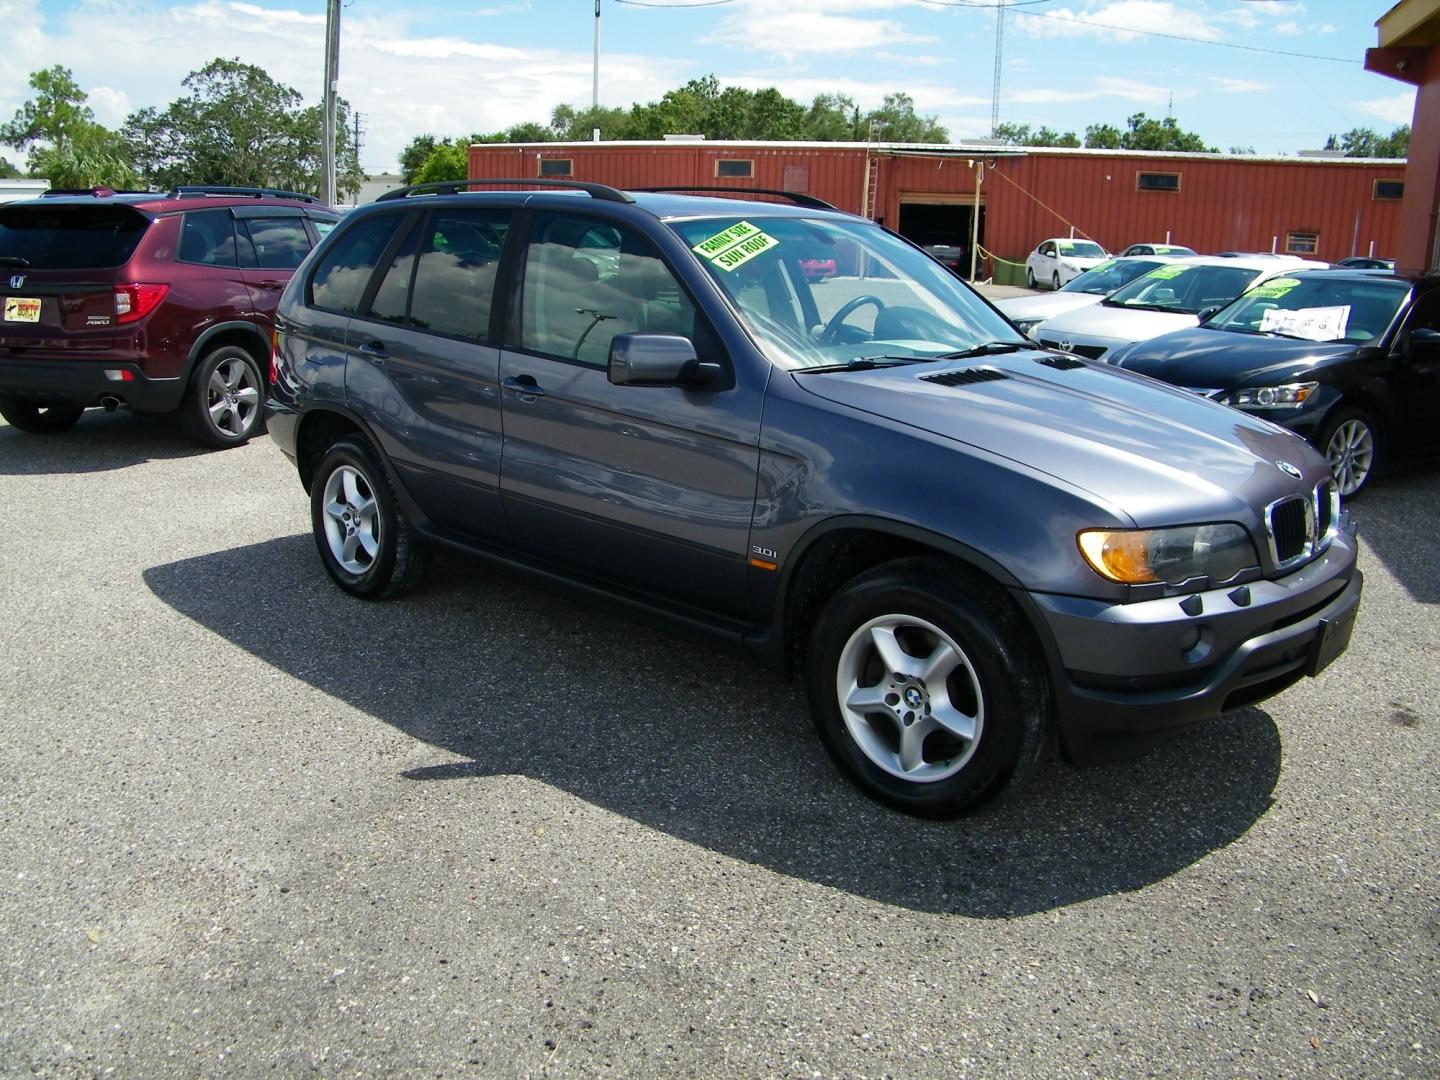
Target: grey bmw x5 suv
x=966, y=544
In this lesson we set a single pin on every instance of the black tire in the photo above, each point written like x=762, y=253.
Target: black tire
x=1055, y=281
x=1352, y=445
x=1029, y=277
x=224, y=405
x=396, y=558
x=38, y=418
x=938, y=604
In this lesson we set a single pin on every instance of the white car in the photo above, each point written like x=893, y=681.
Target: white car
x=1089, y=288
x=1178, y=250
x=1057, y=261
x=1170, y=297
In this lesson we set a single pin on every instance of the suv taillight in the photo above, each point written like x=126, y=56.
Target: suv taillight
x=134, y=302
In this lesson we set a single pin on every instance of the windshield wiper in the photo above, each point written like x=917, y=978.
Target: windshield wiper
x=990, y=348
x=868, y=363
x=14, y=260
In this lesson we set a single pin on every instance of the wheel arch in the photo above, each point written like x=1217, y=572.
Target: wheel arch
x=839, y=549
x=246, y=335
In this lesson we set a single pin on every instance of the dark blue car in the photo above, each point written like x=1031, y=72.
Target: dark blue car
x=964, y=542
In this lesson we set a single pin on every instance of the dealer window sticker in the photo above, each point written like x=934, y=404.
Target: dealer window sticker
x=735, y=246
x=1274, y=288
x=1313, y=324
x=1165, y=273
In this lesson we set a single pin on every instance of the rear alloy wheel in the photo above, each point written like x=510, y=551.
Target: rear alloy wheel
x=37, y=418
x=363, y=537
x=1350, y=446
x=923, y=687
x=224, y=405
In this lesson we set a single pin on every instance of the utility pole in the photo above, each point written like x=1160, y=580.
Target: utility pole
x=595, y=75
x=332, y=85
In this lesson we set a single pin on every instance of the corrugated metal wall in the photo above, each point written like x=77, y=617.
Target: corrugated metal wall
x=1223, y=204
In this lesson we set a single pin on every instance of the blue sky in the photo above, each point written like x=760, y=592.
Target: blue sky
x=451, y=67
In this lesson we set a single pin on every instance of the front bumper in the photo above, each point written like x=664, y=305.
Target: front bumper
x=1131, y=673
x=84, y=383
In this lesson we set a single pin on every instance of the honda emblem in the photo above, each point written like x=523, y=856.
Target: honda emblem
x=17, y=280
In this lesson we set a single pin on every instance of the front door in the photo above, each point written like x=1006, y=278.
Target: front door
x=649, y=487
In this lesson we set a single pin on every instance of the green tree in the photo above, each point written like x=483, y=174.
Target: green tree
x=1103, y=137
x=1366, y=142
x=897, y=121
x=237, y=125
x=568, y=124
x=1147, y=134
x=55, y=113
x=89, y=157
x=833, y=118
x=448, y=161
x=413, y=156
x=1021, y=135
x=8, y=171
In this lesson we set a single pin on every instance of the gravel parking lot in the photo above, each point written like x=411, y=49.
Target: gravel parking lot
x=251, y=826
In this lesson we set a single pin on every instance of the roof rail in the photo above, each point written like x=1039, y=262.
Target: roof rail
x=794, y=196
x=452, y=187
x=183, y=190
x=97, y=192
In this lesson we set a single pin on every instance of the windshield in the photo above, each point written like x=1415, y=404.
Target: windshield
x=1315, y=309
x=44, y=236
x=885, y=301
x=1184, y=288
x=1104, y=279
x=1080, y=249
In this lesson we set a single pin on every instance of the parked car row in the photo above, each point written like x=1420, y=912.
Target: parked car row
x=963, y=541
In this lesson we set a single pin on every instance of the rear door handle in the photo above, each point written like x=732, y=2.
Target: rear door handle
x=373, y=349
x=524, y=385
x=269, y=284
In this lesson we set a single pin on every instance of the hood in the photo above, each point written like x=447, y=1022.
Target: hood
x=1116, y=323
x=1154, y=454
x=1223, y=359
x=1046, y=305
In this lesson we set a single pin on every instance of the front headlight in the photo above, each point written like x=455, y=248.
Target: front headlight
x=1171, y=556
x=1068, y=265
x=1026, y=325
x=1286, y=396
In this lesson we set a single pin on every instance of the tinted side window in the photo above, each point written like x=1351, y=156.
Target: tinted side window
x=342, y=274
x=455, y=272
x=392, y=298
x=274, y=243
x=586, y=281
x=208, y=237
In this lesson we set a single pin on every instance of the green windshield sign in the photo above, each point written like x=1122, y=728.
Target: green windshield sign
x=735, y=246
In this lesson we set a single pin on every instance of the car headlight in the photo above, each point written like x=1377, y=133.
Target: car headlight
x=1026, y=325
x=1068, y=266
x=1286, y=396
x=1171, y=556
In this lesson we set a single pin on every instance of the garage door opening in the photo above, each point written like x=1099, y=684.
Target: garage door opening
x=942, y=225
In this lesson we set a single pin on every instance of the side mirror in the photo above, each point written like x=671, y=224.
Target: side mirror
x=1205, y=313
x=643, y=359
x=1424, y=343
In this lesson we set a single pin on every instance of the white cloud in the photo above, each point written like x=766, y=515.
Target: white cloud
x=1238, y=86
x=1396, y=109
x=1103, y=86
x=111, y=106
x=1119, y=20
x=809, y=27
x=1288, y=28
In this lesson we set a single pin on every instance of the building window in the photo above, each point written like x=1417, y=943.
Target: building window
x=797, y=178
x=1302, y=243
x=1389, y=189
x=1157, y=181
x=735, y=169
x=555, y=166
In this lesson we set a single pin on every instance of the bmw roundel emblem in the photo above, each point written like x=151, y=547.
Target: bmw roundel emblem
x=1288, y=469
x=17, y=280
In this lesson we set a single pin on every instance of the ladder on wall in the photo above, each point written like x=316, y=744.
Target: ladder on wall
x=872, y=174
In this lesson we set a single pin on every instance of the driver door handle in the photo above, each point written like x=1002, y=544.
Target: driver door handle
x=524, y=385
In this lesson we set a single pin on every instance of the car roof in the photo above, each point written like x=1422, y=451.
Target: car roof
x=163, y=202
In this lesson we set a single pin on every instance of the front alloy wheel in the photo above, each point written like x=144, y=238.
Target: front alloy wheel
x=910, y=698
x=1350, y=451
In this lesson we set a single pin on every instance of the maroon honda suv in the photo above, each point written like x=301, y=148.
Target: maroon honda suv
x=153, y=302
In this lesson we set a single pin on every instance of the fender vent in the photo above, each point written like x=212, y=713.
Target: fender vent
x=1060, y=363
x=965, y=377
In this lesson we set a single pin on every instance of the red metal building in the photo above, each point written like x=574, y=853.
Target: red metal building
x=1326, y=208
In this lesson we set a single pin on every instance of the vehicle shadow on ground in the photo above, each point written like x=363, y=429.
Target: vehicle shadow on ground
x=1396, y=517
x=707, y=747
x=100, y=442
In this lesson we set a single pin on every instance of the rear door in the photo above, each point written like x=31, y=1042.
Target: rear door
x=59, y=262
x=649, y=487
x=272, y=241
